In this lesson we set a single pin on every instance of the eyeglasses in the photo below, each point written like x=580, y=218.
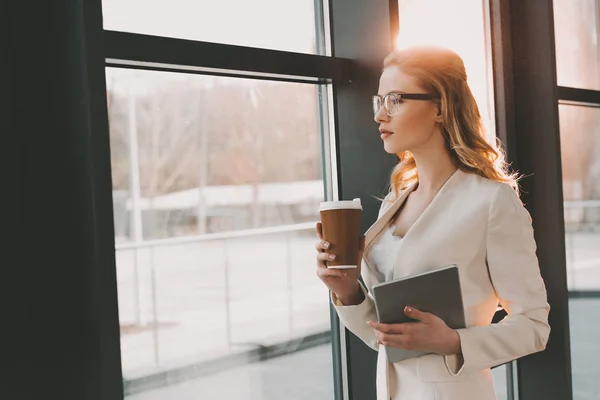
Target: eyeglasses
x=392, y=101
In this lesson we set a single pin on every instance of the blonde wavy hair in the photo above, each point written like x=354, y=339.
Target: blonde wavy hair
x=442, y=71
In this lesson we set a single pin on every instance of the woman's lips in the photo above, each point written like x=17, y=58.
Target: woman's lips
x=385, y=134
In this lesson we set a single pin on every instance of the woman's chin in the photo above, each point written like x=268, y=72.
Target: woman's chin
x=391, y=149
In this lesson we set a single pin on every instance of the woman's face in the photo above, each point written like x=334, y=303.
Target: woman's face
x=416, y=124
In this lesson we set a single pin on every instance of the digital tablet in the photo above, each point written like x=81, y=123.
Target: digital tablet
x=437, y=292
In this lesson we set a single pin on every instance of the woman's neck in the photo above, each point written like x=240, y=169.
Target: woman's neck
x=434, y=169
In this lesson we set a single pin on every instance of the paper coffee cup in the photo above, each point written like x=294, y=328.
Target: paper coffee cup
x=341, y=228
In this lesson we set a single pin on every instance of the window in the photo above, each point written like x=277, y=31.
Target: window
x=217, y=176
x=217, y=183
x=577, y=48
x=577, y=28
x=580, y=148
x=212, y=154
x=272, y=24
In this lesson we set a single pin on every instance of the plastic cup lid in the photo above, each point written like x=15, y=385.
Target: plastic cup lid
x=341, y=205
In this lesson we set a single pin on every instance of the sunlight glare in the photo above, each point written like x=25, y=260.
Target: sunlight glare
x=459, y=26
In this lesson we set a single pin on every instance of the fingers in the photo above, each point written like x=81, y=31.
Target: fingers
x=396, y=335
x=397, y=329
x=326, y=273
x=322, y=258
x=422, y=316
x=392, y=340
x=322, y=245
x=320, y=230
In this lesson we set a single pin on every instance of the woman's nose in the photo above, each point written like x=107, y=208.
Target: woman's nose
x=381, y=115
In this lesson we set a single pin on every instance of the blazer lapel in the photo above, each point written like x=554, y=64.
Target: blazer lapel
x=422, y=234
x=387, y=215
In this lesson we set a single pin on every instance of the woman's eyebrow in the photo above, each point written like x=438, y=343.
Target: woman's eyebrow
x=393, y=91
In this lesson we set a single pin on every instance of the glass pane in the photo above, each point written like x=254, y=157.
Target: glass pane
x=580, y=147
x=272, y=24
x=576, y=29
x=273, y=379
x=500, y=382
x=219, y=182
x=470, y=41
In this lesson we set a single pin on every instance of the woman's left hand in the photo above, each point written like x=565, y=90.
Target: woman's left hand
x=430, y=333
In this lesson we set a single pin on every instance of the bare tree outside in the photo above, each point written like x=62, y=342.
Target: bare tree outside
x=195, y=132
x=578, y=65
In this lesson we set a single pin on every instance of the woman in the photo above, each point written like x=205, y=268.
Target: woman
x=451, y=201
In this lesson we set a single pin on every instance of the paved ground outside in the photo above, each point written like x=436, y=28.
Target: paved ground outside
x=214, y=298
x=307, y=374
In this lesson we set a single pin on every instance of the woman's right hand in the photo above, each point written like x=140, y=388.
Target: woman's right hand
x=342, y=282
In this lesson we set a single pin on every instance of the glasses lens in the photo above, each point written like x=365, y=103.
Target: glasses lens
x=376, y=104
x=391, y=104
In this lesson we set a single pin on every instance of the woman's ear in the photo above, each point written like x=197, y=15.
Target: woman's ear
x=438, y=113
x=438, y=116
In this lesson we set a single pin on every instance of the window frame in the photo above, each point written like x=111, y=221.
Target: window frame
x=345, y=82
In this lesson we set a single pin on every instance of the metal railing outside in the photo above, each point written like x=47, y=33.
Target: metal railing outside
x=142, y=318
x=576, y=226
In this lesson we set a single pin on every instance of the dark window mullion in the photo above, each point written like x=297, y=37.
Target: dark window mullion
x=213, y=72
x=180, y=54
x=585, y=96
x=527, y=114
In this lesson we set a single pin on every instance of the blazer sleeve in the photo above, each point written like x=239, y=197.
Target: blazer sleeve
x=515, y=274
x=355, y=317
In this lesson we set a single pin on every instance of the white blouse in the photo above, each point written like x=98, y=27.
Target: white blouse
x=383, y=252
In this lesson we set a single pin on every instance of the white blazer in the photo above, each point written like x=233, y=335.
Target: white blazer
x=482, y=226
